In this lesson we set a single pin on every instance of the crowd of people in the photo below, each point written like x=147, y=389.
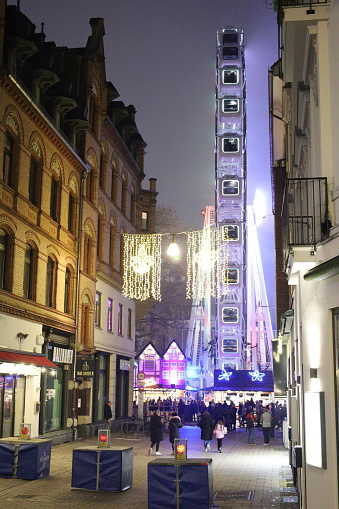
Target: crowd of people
x=217, y=419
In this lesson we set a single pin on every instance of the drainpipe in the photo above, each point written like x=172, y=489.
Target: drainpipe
x=84, y=175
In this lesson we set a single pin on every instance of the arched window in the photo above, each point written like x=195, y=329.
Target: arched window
x=122, y=252
x=86, y=322
x=89, y=185
x=30, y=272
x=6, y=248
x=72, y=213
x=133, y=207
x=69, y=291
x=112, y=244
x=114, y=187
x=124, y=195
x=34, y=181
x=51, y=280
x=100, y=235
x=8, y=166
x=88, y=254
x=55, y=197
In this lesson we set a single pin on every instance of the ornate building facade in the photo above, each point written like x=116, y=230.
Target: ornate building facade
x=72, y=168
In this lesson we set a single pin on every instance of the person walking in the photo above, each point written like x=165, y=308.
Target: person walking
x=174, y=426
x=265, y=421
x=108, y=412
x=250, y=420
x=206, y=424
x=219, y=432
x=156, y=432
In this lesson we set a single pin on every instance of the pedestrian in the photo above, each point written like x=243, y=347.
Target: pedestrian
x=108, y=412
x=174, y=426
x=206, y=424
x=182, y=410
x=250, y=420
x=272, y=410
x=265, y=421
x=219, y=432
x=156, y=432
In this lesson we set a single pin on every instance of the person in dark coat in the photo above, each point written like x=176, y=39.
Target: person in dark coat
x=108, y=412
x=207, y=426
x=156, y=432
x=174, y=426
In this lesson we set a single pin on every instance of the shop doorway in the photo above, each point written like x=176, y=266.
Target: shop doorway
x=12, y=391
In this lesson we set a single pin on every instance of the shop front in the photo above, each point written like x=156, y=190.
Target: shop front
x=20, y=384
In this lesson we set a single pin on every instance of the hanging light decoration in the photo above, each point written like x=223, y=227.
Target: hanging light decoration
x=142, y=266
x=207, y=259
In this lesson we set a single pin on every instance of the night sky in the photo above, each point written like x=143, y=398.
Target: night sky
x=160, y=55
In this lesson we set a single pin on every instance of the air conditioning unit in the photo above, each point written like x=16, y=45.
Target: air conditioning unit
x=40, y=339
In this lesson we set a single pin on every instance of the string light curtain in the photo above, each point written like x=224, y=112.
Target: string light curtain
x=207, y=262
x=142, y=266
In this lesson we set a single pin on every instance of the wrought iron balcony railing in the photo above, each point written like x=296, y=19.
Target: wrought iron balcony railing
x=296, y=3
x=305, y=212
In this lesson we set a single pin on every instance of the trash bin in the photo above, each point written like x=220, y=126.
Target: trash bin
x=108, y=469
x=175, y=484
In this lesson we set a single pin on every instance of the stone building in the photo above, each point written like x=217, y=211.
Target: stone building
x=72, y=168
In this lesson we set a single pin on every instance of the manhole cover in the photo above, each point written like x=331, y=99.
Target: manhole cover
x=233, y=495
x=25, y=496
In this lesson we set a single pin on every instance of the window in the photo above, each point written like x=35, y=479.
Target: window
x=87, y=254
x=229, y=366
x=230, y=145
x=149, y=365
x=89, y=185
x=30, y=273
x=110, y=315
x=5, y=260
x=68, y=302
x=7, y=168
x=55, y=197
x=120, y=311
x=100, y=235
x=231, y=232
x=231, y=276
x=51, y=283
x=229, y=345
x=230, y=76
x=230, y=53
x=112, y=237
x=102, y=177
x=165, y=365
x=129, y=324
x=124, y=195
x=34, y=182
x=230, y=105
x=144, y=221
x=181, y=364
x=165, y=375
x=85, y=323
x=173, y=364
x=181, y=375
x=97, y=314
x=230, y=187
x=231, y=38
x=230, y=315
x=72, y=213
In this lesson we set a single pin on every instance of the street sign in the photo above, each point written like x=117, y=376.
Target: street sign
x=141, y=376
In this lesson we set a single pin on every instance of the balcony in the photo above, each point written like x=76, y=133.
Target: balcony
x=298, y=3
x=305, y=212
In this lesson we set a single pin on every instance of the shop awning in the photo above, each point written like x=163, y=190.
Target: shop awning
x=25, y=358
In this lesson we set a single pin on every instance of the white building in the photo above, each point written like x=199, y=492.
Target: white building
x=304, y=122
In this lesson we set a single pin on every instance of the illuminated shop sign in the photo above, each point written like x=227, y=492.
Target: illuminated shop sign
x=243, y=380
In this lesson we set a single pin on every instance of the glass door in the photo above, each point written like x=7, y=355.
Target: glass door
x=7, y=384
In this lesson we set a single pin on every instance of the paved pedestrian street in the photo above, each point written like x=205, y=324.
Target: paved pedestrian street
x=243, y=476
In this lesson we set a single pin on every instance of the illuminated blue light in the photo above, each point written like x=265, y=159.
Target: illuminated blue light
x=256, y=376
x=225, y=375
